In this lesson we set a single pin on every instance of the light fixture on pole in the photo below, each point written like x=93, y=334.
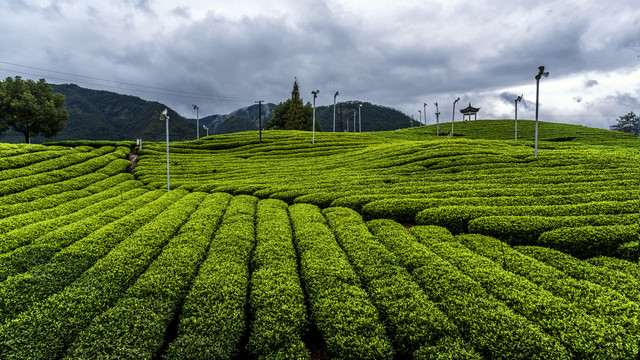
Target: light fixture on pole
x=420, y=115
x=518, y=99
x=334, y=111
x=360, y=116
x=453, y=115
x=315, y=95
x=437, y=119
x=164, y=116
x=206, y=128
x=425, y=113
x=196, y=108
x=541, y=73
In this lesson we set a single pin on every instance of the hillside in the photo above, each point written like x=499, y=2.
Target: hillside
x=371, y=246
x=105, y=115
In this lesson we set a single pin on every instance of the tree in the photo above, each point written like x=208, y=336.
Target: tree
x=628, y=123
x=31, y=108
x=292, y=114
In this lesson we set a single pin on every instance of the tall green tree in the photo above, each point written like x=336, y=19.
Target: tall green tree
x=628, y=123
x=292, y=114
x=31, y=108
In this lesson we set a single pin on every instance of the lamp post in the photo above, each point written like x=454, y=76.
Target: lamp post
x=420, y=115
x=518, y=99
x=541, y=73
x=196, y=108
x=334, y=111
x=453, y=115
x=315, y=95
x=360, y=116
x=425, y=113
x=206, y=128
x=437, y=119
x=164, y=116
x=354, y=122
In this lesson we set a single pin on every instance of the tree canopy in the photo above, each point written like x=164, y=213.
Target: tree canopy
x=31, y=108
x=628, y=123
x=292, y=114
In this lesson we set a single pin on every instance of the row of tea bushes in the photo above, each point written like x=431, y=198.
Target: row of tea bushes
x=136, y=326
x=585, y=336
x=277, y=305
x=213, y=317
x=20, y=230
x=616, y=279
x=51, y=201
x=414, y=323
x=94, y=164
x=457, y=218
x=48, y=328
x=346, y=318
x=589, y=241
x=21, y=291
x=486, y=323
x=610, y=306
x=46, y=246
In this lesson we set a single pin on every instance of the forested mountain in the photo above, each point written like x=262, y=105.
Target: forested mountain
x=105, y=115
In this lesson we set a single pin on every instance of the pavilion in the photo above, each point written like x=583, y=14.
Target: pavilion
x=468, y=111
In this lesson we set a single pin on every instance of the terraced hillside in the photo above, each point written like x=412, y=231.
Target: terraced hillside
x=290, y=250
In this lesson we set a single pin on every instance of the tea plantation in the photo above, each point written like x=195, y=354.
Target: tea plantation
x=390, y=245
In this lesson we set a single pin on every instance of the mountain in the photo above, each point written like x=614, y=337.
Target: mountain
x=245, y=119
x=105, y=115
x=373, y=117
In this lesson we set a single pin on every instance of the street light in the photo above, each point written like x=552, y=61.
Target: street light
x=453, y=115
x=437, y=119
x=315, y=95
x=360, y=116
x=518, y=99
x=354, y=122
x=164, y=116
x=206, y=128
x=334, y=111
x=540, y=74
x=425, y=113
x=196, y=108
x=420, y=115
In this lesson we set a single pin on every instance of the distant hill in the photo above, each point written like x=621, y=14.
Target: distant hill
x=373, y=117
x=105, y=115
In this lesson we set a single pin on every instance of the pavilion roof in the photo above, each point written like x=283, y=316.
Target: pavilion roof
x=469, y=109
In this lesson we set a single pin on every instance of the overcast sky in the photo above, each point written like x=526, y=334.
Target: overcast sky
x=226, y=54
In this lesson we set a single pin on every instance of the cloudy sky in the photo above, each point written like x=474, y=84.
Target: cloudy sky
x=226, y=54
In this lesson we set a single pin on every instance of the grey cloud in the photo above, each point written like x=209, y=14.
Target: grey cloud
x=577, y=99
x=590, y=83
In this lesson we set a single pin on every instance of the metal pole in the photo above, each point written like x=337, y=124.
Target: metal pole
x=166, y=118
x=518, y=99
x=315, y=94
x=437, y=120
x=260, y=119
x=341, y=127
x=420, y=115
x=360, y=117
x=425, y=113
x=453, y=115
x=354, y=122
x=334, y=111
x=197, y=121
x=540, y=74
